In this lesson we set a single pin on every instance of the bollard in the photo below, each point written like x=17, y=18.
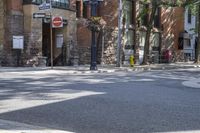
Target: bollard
x=132, y=61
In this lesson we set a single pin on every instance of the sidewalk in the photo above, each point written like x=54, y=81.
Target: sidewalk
x=85, y=69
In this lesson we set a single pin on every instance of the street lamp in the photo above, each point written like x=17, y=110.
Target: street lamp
x=93, y=63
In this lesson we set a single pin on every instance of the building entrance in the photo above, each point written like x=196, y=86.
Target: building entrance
x=46, y=42
x=59, y=51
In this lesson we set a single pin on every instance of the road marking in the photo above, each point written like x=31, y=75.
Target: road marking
x=16, y=127
x=192, y=83
x=192, y=131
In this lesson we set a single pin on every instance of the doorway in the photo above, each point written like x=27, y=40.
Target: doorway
x=59, y=57
x=46, y=42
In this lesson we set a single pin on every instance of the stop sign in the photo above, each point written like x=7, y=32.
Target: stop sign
x=57, y=22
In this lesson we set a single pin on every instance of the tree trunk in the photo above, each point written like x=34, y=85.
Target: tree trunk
x=148, y=33
x=198, y=41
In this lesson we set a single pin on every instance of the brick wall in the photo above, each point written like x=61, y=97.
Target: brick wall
x=173, y=24
x=108, y=11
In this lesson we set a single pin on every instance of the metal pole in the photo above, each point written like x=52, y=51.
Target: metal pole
x=51, y=35
x=93, y=65
x=119, y=33
x=102, y=51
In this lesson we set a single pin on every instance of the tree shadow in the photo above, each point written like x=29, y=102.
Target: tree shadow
x=116, y=103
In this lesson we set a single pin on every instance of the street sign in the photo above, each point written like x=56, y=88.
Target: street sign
x=39, y=15
x=18, y=42
x=45, y=6
x=57, y=22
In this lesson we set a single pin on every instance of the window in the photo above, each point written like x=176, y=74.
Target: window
x=128, y=12
x=64, y=4
x=144, y=14
x=78, y=9
x=189, y=16
x=128, y=21
x=60, y=3
x=157, y=18
x=86, y=10
x=99, y=9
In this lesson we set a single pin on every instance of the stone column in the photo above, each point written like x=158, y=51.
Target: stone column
x=33, y=36
x=13, y=27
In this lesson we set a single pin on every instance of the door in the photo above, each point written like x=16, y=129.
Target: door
x=46, y=42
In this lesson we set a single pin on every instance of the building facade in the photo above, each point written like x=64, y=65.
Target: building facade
x=168, y=24
x=106, y=40
x=72, y=42
x=2, y=26
x=190, y=26
x=35, y=32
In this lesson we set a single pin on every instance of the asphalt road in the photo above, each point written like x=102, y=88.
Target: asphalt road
x=120, y=102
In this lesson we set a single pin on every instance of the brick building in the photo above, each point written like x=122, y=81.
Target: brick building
x=168, y=24
x=17, y=20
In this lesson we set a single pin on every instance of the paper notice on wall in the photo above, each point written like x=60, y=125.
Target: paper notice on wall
x=59, y=40
x=18, y=42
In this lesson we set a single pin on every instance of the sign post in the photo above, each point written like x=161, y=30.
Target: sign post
x=51, y=34
x=93, y=62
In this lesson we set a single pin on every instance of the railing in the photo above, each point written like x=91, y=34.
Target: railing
x=154, y=59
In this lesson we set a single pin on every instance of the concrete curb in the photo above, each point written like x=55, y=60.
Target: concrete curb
x=105, y=69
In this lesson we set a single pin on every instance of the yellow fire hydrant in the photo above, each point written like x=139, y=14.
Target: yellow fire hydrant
x=132, y=61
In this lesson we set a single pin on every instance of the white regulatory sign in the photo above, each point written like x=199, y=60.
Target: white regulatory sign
x=18, y=42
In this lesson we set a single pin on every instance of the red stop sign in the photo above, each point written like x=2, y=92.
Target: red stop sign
x=57, y=22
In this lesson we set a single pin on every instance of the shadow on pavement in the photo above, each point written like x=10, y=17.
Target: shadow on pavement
x=114, y=104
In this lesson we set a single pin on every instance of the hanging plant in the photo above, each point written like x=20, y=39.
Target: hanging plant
x=96, y=23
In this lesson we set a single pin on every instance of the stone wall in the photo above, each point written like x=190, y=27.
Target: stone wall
x=2, y=13
x=33, y=34
x=11, y=24
x=110, y=46
x=13, y=27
